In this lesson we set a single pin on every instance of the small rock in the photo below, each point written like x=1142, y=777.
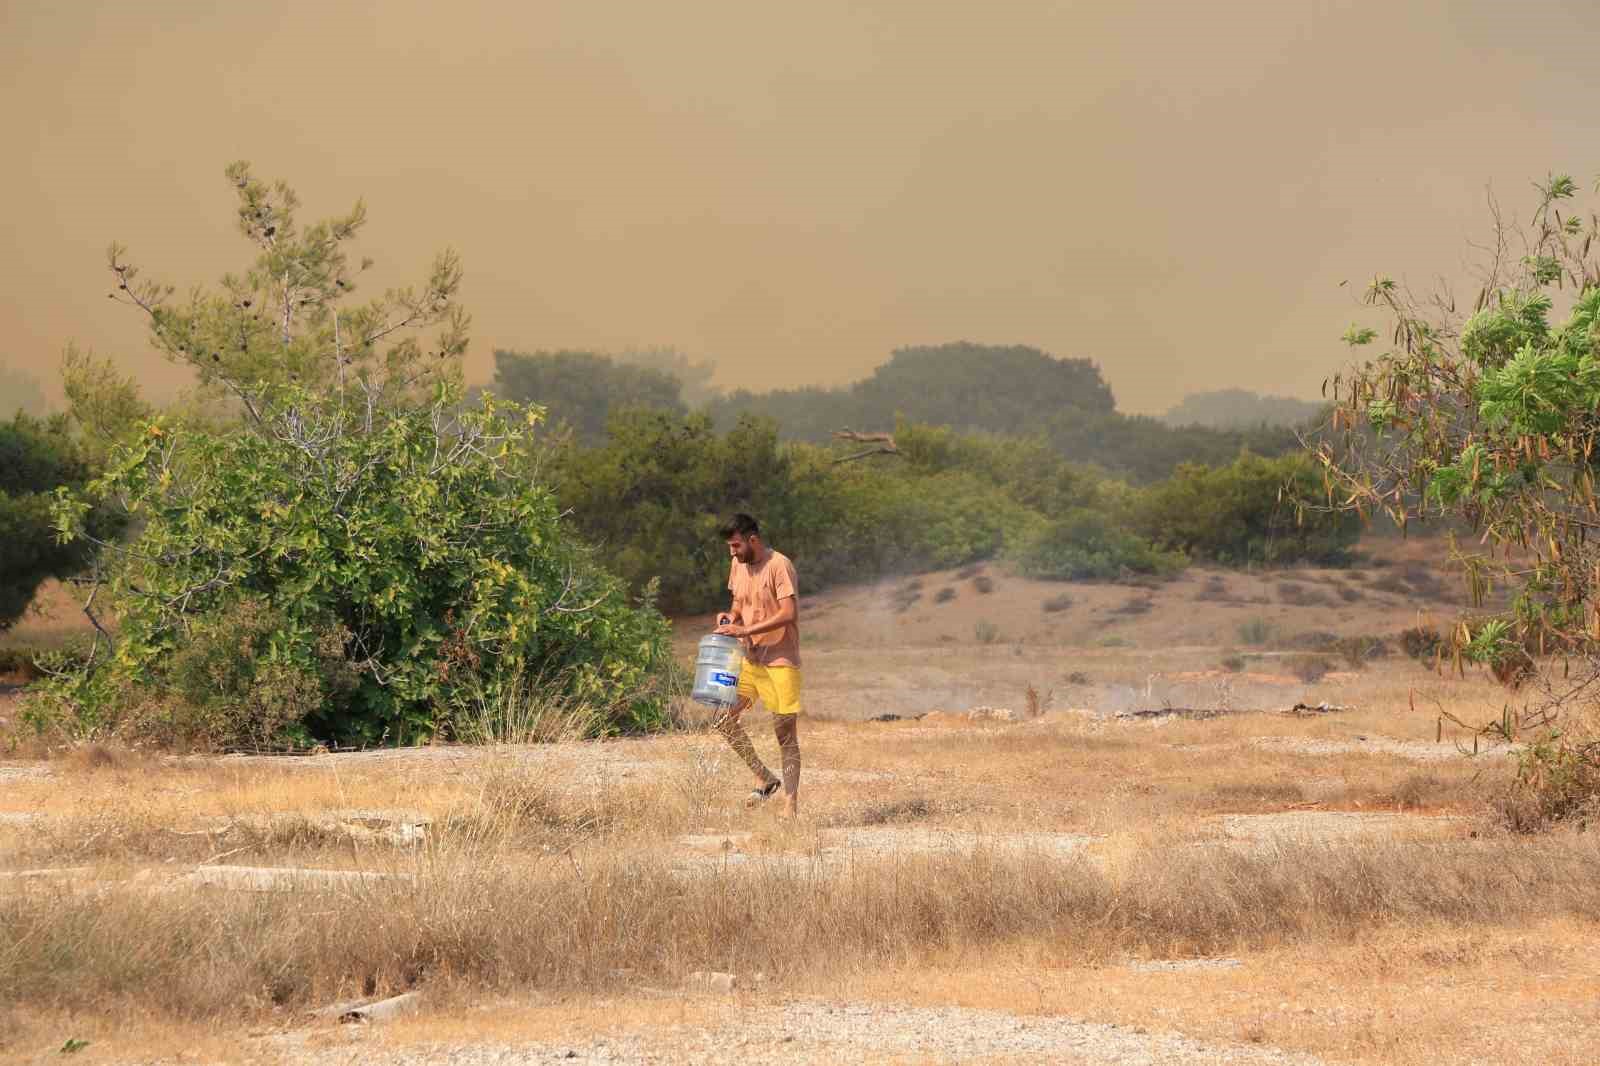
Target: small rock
x=703, y=981
x=384, y=1009
x=993, y=714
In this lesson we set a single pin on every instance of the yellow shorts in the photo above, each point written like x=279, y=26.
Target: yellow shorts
x=778, y=687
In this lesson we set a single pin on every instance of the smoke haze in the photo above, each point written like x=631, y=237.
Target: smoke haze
x=1174, y=190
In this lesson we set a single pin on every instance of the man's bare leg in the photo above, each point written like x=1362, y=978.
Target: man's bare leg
x=728, y=725
x=787, y=728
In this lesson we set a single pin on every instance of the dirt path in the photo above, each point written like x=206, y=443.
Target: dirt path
x=809, y=1031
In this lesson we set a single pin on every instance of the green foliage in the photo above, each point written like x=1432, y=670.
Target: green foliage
x=1089, y=545
x=653, y=496
x=105, y=405
x=358, y=556
x=1493, y=422
x=372, y=576
x=1144, y=449
x=583, y=389
x=230, y=689
x=1253, y=511
x=1016, y=391
x=37, y=456
x=290, y=319
x=1241, y=409
x=962, y=385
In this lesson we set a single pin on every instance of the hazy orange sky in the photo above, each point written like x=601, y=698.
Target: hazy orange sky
x=1172, y=189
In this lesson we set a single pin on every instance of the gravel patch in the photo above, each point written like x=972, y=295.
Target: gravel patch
x=1329, y=826
x=849, y=1032
x=1421, y=751
x=877, y=841
x=1182, y=965
x=837, y=848
x=24, y=773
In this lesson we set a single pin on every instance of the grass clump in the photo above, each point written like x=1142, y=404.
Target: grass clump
x=562, y=925
x=1256, y=631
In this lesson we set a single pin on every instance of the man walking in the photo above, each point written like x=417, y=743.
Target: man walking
x=765, y=616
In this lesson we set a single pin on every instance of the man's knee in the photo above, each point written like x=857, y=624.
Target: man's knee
x=730, y=717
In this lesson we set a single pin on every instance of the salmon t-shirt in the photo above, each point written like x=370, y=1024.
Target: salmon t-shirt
x=757, y=590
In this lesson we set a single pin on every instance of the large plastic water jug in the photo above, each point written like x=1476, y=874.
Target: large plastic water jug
x=716, y=671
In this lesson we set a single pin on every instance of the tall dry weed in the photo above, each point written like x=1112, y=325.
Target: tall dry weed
x=570, y=922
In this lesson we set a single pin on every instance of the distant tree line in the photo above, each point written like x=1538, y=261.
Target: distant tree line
x=1015, y=390
x=1242, y=409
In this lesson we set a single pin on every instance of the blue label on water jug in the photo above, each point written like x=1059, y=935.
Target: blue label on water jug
x=721, y=678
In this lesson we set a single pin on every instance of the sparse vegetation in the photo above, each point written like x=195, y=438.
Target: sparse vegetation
x=1421, y=642
x=1487, y=416
x=1295, y=594
x=1359, y=651
x=944, y=595
x=1309, y=668
x=985, y=632
x=1056, y=604
x=1256, y=632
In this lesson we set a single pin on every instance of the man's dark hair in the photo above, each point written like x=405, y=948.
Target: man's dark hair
x=742, y=524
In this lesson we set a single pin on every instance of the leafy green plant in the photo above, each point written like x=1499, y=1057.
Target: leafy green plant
x=1486, y=412
x=374, y=548
x=1089, y=545
x=985, y=632
x=1251, y=511
x=38, y=456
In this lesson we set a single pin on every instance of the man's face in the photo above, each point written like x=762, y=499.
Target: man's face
x=743, y=548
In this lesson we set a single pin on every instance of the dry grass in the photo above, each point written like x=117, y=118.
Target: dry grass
x=567, y=924
x=1415, y=995
x=588, y=870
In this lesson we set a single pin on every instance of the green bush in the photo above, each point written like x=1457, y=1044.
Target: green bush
x=38, y=456
x=1252, y=511
x=371, y=584
x=583, y=389
x=1088, y=545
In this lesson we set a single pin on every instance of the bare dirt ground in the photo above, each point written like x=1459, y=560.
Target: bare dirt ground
x=1273, y=887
